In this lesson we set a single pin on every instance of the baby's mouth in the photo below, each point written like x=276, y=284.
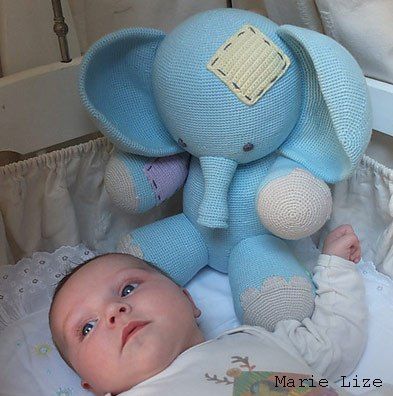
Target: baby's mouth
x=130, y=330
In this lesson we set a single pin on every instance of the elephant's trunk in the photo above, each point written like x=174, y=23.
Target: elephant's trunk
x=218, y=173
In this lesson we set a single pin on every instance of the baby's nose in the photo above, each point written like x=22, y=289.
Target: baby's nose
x=116, y=312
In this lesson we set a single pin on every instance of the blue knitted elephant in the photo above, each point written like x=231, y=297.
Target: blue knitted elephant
x=253, y=119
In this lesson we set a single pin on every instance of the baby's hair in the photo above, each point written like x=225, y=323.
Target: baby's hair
x=72, y=271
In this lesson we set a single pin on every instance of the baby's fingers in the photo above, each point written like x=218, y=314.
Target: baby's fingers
x=356, y=253
x=348, y=240
x=338, y=233
x=343, y=230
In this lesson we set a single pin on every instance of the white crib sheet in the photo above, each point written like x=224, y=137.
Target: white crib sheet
x=31, y=365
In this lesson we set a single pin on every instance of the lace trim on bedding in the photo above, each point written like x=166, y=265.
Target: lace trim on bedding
x=55, y=157
x=27, y=286
x=377, y=167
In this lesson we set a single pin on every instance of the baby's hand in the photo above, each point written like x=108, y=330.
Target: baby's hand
x=343, y=242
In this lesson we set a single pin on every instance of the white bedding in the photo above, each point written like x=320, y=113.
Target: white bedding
x=30, y=364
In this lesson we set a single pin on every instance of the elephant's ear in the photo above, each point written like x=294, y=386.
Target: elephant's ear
x=335, y=123
x=116, y=88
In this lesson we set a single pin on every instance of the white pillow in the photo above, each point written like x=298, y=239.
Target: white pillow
x=30, y=364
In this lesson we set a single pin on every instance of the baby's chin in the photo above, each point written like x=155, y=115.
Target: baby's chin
x=110, y=388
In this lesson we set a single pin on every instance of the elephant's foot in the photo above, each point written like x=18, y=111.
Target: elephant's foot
x=276, y=300
x=294, y=206
x=268, y=283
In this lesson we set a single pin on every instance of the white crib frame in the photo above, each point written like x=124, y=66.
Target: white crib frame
x=381, y=95
x=40, y=107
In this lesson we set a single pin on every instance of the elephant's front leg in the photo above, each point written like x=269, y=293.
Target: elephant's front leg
x=172, y=244
x=268, y=283
x=292, y=203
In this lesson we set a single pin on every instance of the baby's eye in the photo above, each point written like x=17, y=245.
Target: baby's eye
x=87, y=327
x=128, y=289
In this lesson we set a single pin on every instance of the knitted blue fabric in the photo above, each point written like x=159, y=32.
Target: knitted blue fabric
x=201, y=110
x=154, y=95
x=340, y=111
x=114, y=67
x=133, y=168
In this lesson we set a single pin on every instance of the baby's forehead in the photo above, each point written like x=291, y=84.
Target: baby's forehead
x=120, y=260
x=103, y=267
x=111, y=264
x=98, y=271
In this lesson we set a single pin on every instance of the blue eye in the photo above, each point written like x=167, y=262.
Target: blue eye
x=128, y=289
x=87, y=327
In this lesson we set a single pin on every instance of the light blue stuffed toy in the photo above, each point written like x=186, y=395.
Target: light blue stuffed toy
x=253, y=119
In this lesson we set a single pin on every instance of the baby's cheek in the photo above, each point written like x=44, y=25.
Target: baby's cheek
x=94, y=357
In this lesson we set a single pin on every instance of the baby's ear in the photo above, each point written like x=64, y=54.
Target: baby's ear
x=196, y=310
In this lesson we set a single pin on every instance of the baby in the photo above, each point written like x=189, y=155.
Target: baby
x=127, y=329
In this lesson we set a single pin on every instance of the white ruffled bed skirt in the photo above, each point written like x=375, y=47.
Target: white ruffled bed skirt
x=59, y=199
x=366, y=202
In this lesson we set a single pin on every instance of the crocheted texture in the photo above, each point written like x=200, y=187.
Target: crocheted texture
x=294, y=206
x=277, y=299
x=154, y=95
x=120, y=185
x=267, y=258
x=218, y=174
x=127, y=246
x=335, y=125
x=112, y=109
x=249, y=64
x=136, y=184
x=172, y=244
x=166, y=175
x=198, y=107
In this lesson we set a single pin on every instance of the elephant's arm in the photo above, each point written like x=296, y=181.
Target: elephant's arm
x=137, y=184
x=292, y=203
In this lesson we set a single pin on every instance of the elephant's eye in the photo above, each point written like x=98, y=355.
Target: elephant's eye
x=181, y=143
x=248, y=147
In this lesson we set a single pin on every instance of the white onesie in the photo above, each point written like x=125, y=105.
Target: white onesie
x=298, y=356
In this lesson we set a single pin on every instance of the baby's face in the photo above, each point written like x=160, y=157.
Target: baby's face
x=119, y=322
